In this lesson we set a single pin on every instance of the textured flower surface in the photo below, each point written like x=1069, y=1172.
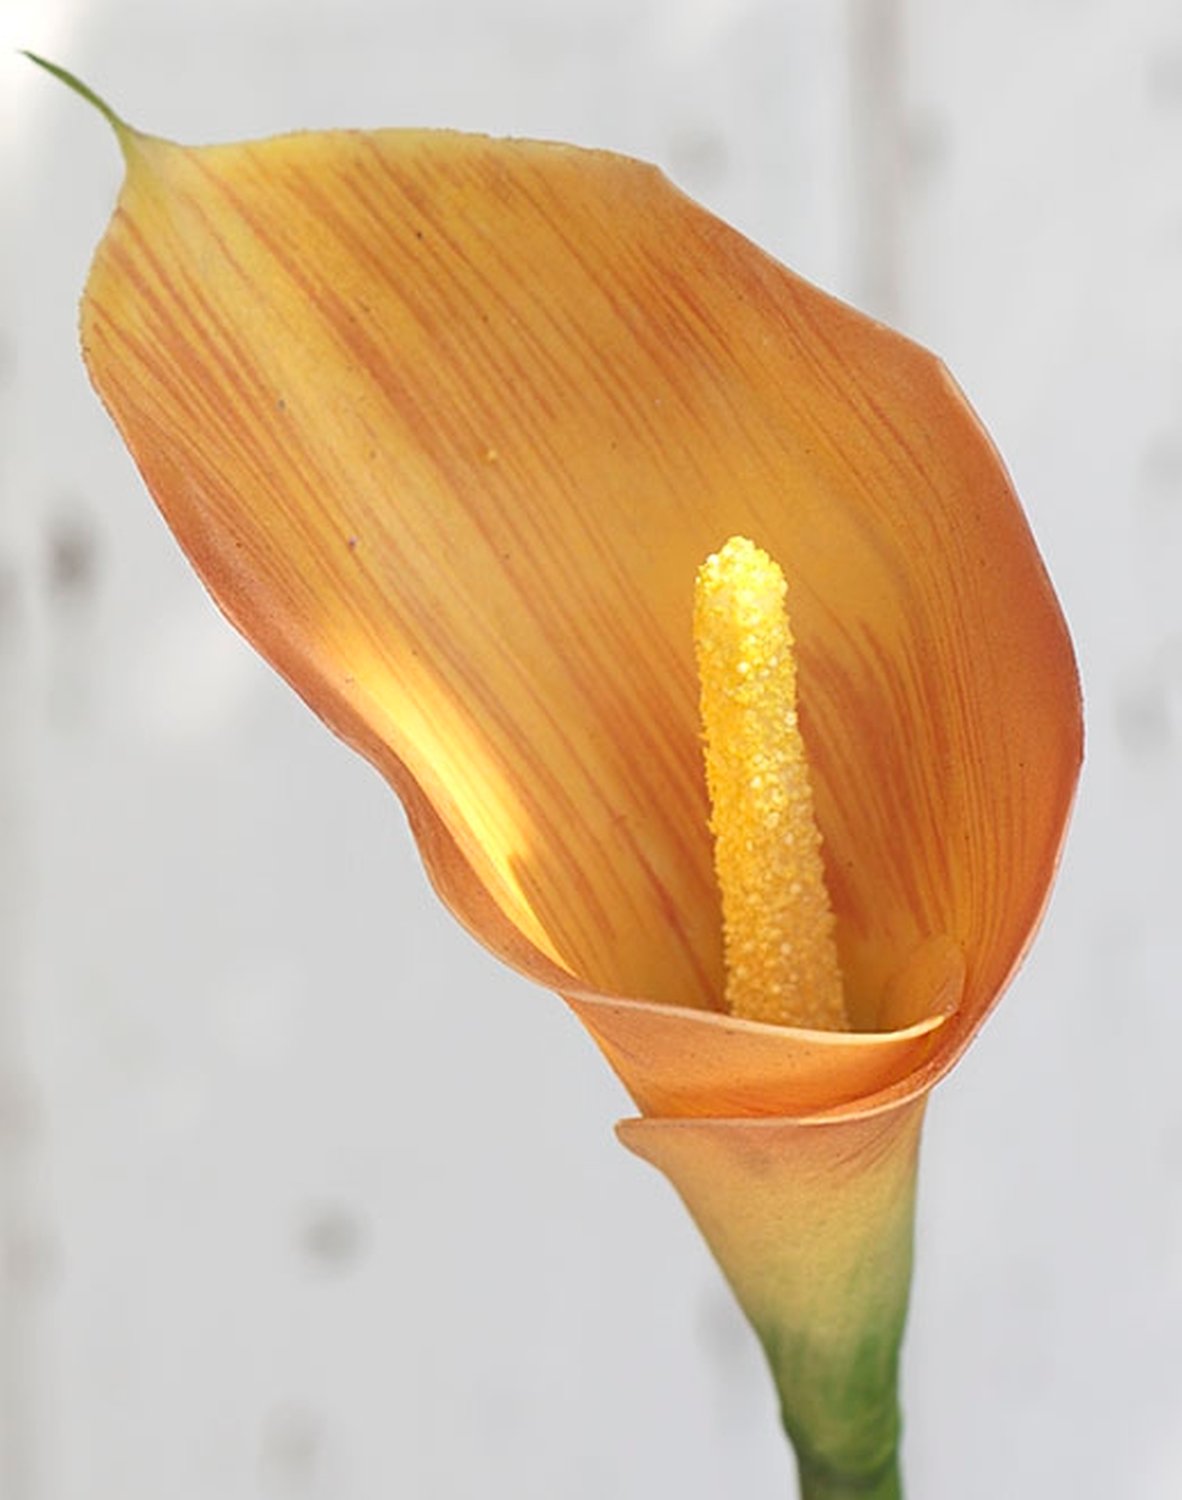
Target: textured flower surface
x=446, y=425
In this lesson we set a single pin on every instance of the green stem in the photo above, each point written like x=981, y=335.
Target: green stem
x=837, y=1373
x=884, y=1484
x=812, y=1222
x=840, y=1408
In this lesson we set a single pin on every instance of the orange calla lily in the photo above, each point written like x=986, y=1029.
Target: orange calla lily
x=446, y=425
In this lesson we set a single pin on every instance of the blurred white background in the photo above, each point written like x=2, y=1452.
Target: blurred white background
x=262, y=1236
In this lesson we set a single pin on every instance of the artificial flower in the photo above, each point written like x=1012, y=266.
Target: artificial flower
x=446, y=425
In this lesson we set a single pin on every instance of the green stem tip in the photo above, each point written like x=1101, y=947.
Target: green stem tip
x=120, y=127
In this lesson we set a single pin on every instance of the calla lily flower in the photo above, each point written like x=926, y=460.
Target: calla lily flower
x=446, y=425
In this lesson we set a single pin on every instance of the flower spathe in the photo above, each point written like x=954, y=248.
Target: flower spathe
x=446, y=425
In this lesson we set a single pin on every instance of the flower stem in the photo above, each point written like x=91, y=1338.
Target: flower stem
x=840, y=1409
x=812, y=1222
x=884, y=1484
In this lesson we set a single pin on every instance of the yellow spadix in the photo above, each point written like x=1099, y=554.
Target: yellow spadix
x=781, y=960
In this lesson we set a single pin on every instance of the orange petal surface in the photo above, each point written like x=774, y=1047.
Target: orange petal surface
x=447, y=424
x=685, y=1064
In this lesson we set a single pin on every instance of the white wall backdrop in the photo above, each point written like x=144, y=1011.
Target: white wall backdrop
x=258, y=1242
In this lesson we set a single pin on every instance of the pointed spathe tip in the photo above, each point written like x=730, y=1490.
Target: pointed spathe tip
x=123, y=131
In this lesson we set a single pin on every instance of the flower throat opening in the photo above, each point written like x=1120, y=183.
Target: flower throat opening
x=781, y=959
